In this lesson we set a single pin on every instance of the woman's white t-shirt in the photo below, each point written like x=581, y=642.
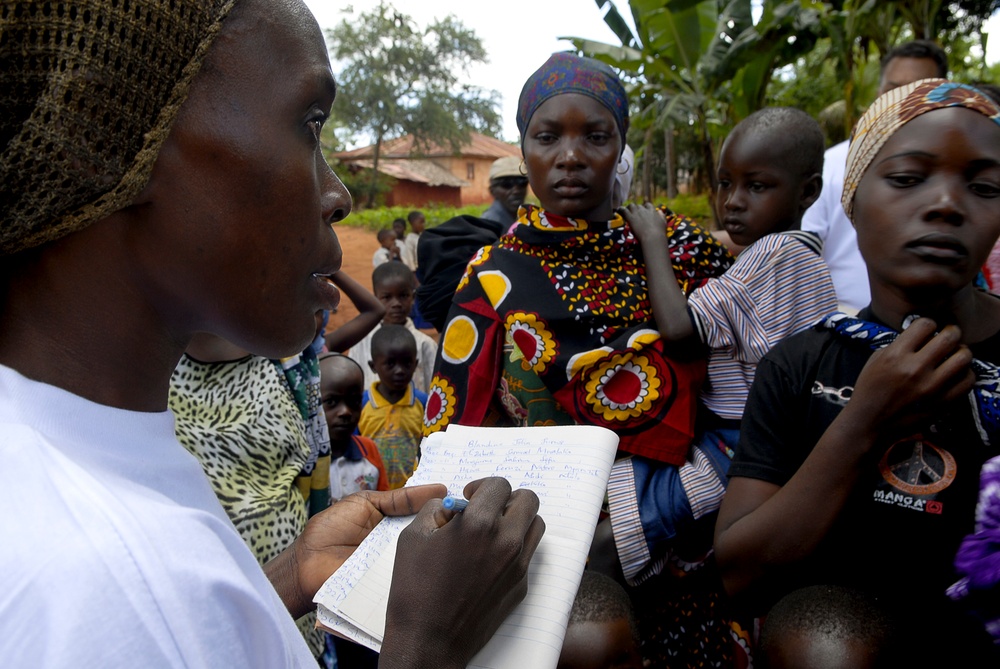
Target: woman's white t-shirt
x=114, y=552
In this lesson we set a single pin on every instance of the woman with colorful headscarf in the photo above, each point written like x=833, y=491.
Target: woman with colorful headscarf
x=863, y=438
x=552, y=325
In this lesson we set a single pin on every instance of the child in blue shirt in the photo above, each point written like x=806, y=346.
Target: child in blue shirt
x=355, y=463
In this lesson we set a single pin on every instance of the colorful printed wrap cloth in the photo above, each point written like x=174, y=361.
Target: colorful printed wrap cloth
x=568, y=73
x=894, y=109
x=552, y=325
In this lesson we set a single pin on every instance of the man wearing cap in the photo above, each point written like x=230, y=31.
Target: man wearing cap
x=444, y=251
x=508, y=186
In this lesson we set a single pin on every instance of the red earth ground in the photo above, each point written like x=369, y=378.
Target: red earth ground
x=359, y=245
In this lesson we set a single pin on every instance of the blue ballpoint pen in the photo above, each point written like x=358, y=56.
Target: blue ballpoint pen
x=454, y=503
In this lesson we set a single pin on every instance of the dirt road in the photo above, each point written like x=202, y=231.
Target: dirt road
x=358, y=244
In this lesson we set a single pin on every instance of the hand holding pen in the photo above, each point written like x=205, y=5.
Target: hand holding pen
x=459, y=573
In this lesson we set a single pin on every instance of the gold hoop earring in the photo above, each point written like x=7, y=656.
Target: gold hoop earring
x=522, y=168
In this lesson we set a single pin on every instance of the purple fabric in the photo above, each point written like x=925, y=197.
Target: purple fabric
x=568, y=73
x=978, y=557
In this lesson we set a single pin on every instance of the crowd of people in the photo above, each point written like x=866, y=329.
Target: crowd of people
x=805, y=399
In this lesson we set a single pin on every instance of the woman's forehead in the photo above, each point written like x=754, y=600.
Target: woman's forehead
x=269, y=59
x=270, y=32
x=935, y=131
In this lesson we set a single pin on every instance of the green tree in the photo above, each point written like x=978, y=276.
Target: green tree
x=663, y=57
x=840, y=77
x=696, y=67
x=398, y=79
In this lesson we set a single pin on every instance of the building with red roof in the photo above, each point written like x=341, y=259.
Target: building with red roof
x=433, y=174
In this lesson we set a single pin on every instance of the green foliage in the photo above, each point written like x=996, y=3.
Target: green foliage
x=697, y=207
x=814, y=85
x=694, y=68
x=401, y=80
x=700, y=66
x=360, y=182
x=382, y=217
x=331, y=137
x=785, y=32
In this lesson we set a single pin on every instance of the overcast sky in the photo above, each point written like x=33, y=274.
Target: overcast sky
x=519, y=35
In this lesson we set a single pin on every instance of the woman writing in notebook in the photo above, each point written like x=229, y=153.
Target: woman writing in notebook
x=140, y=204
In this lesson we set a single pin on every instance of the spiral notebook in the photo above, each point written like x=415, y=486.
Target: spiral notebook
x=566, y=466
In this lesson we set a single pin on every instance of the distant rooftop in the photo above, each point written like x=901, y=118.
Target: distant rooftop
x=420, y=171
x=479, y=146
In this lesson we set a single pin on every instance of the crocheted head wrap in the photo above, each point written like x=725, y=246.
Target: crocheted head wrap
x=895, y=109
x=568, y=73
x=88, y=92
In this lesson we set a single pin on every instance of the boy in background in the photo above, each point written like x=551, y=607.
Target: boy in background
x=602, y=632
x=355, y=463
x=341, y=338
x=392, y=412
x=389, y=248
x=830, y=627
x=399, y=229
x=769, y=174
x=409, y=252
x=394, y=286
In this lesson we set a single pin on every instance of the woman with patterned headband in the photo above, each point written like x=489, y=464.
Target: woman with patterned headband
x=863, y=438
x=161, y=175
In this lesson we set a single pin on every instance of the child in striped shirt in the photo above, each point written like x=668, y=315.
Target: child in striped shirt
x=769, y=173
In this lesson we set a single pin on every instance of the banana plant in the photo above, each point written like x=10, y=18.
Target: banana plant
x=850, y=30
x=702, y=64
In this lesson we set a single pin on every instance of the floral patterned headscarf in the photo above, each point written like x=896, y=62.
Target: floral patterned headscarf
x=569, y=73
x=895, y=109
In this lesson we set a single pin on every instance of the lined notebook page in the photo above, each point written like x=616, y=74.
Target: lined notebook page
x=567, y=467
